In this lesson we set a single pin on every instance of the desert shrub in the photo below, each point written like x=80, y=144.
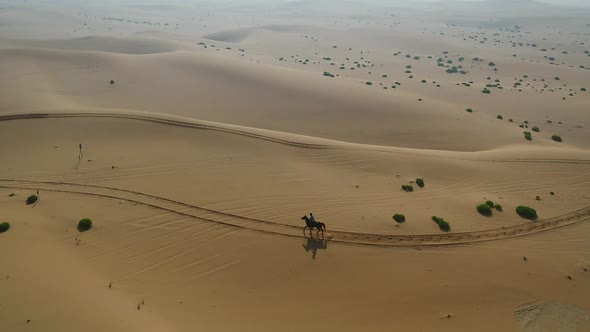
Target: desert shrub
x=470, y=110
x=328, y=74
x=490, y=204
x=84, y=224
x=32, y=199
x=528, y=136
x=536, y=129
x=484, y=209
x=369, y=83
x=486, y=91
x=583, y=89
x=498, y=207
x=538, y=198
x=499, y=117
x=420, y=182
x=556, y=138
x=552, y=193
x=407, y=187
x=526, y=212
x=112, y=82
x=442, y=224
x=491, y=64
x=4, y=227
x=399, y=218
x=557, y=78
x=11, y=195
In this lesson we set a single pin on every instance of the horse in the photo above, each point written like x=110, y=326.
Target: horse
x=311, y=225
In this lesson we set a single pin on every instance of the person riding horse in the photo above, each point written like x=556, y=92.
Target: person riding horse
x=311, y=223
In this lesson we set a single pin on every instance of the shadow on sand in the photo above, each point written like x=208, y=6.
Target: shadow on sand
x=315, y=243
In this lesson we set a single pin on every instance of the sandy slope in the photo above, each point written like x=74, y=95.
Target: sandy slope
x=199, y=162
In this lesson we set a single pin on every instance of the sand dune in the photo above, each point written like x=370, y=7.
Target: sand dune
x=195, y=135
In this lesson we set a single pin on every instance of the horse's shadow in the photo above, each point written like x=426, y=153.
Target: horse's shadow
x=314, y=244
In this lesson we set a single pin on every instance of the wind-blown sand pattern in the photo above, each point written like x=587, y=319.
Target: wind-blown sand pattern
x=196, y=135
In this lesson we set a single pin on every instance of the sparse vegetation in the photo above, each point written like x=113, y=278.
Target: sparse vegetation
x=556, y=138
x=11, y=195
x=470, y=110
x=538, y=198
x=484, y=210
x=490, y=204
x=32, y=199
x=399, y=218
x=328, y=74
x=486, y=91
x=498, y=207
x=407, y=187
x=442, y=224
x=420, y=182
x=4, y=227
x=84, y=224
x=499, y=117
x=528, y=136
x=536, y=129
x=526, y=212
x=112, y=82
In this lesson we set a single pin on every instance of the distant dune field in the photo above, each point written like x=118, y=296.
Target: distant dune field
x=196, y=135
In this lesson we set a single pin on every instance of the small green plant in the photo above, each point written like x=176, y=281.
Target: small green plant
x=328, y=74
x=11, y=195
x=526, y=212
x=536, y=129
x=583, y=89
x=528, y=136
x=420, y=182
x=538, y=198
x=470, y=110
x=84, y=224
x=556, y=138
x=4, y=227
x=369, y=83
x=486, y=91
x=407, y=187
x=484, y=210
x=442, y=224
x=399, y=218
x=32, y=199
x=498, y=207
x=490, y=204
x=499, y=117
x=552, y=193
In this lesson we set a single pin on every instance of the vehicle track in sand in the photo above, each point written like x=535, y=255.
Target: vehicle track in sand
x=268, y=227
x=288, y=139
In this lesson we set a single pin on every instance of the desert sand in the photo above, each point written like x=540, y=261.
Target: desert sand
x=208, y=129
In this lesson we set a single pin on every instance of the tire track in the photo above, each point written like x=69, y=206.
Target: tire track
x=271, y=136
x=272, y=228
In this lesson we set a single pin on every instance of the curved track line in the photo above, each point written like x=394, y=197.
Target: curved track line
x=228, y=219
x=294, y=140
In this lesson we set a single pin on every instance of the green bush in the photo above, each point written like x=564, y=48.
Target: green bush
x=84, y=224
x=32, y=199
x=498, y=207
x=490, y=204
x=399, y=218
x=4, y=227
x=484, y=209
x=499, y=117
x=420, y=182
x=556, y=138
x=552, y=193
x=536, y=129
x=11, y=195
x=528, y=136
x=470, y=110
x=538, y=198
x=407, y=187
x=442, y=224
x=486, y=91
x=526, y=212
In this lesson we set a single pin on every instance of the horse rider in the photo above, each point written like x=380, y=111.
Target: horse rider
x=312, y=218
